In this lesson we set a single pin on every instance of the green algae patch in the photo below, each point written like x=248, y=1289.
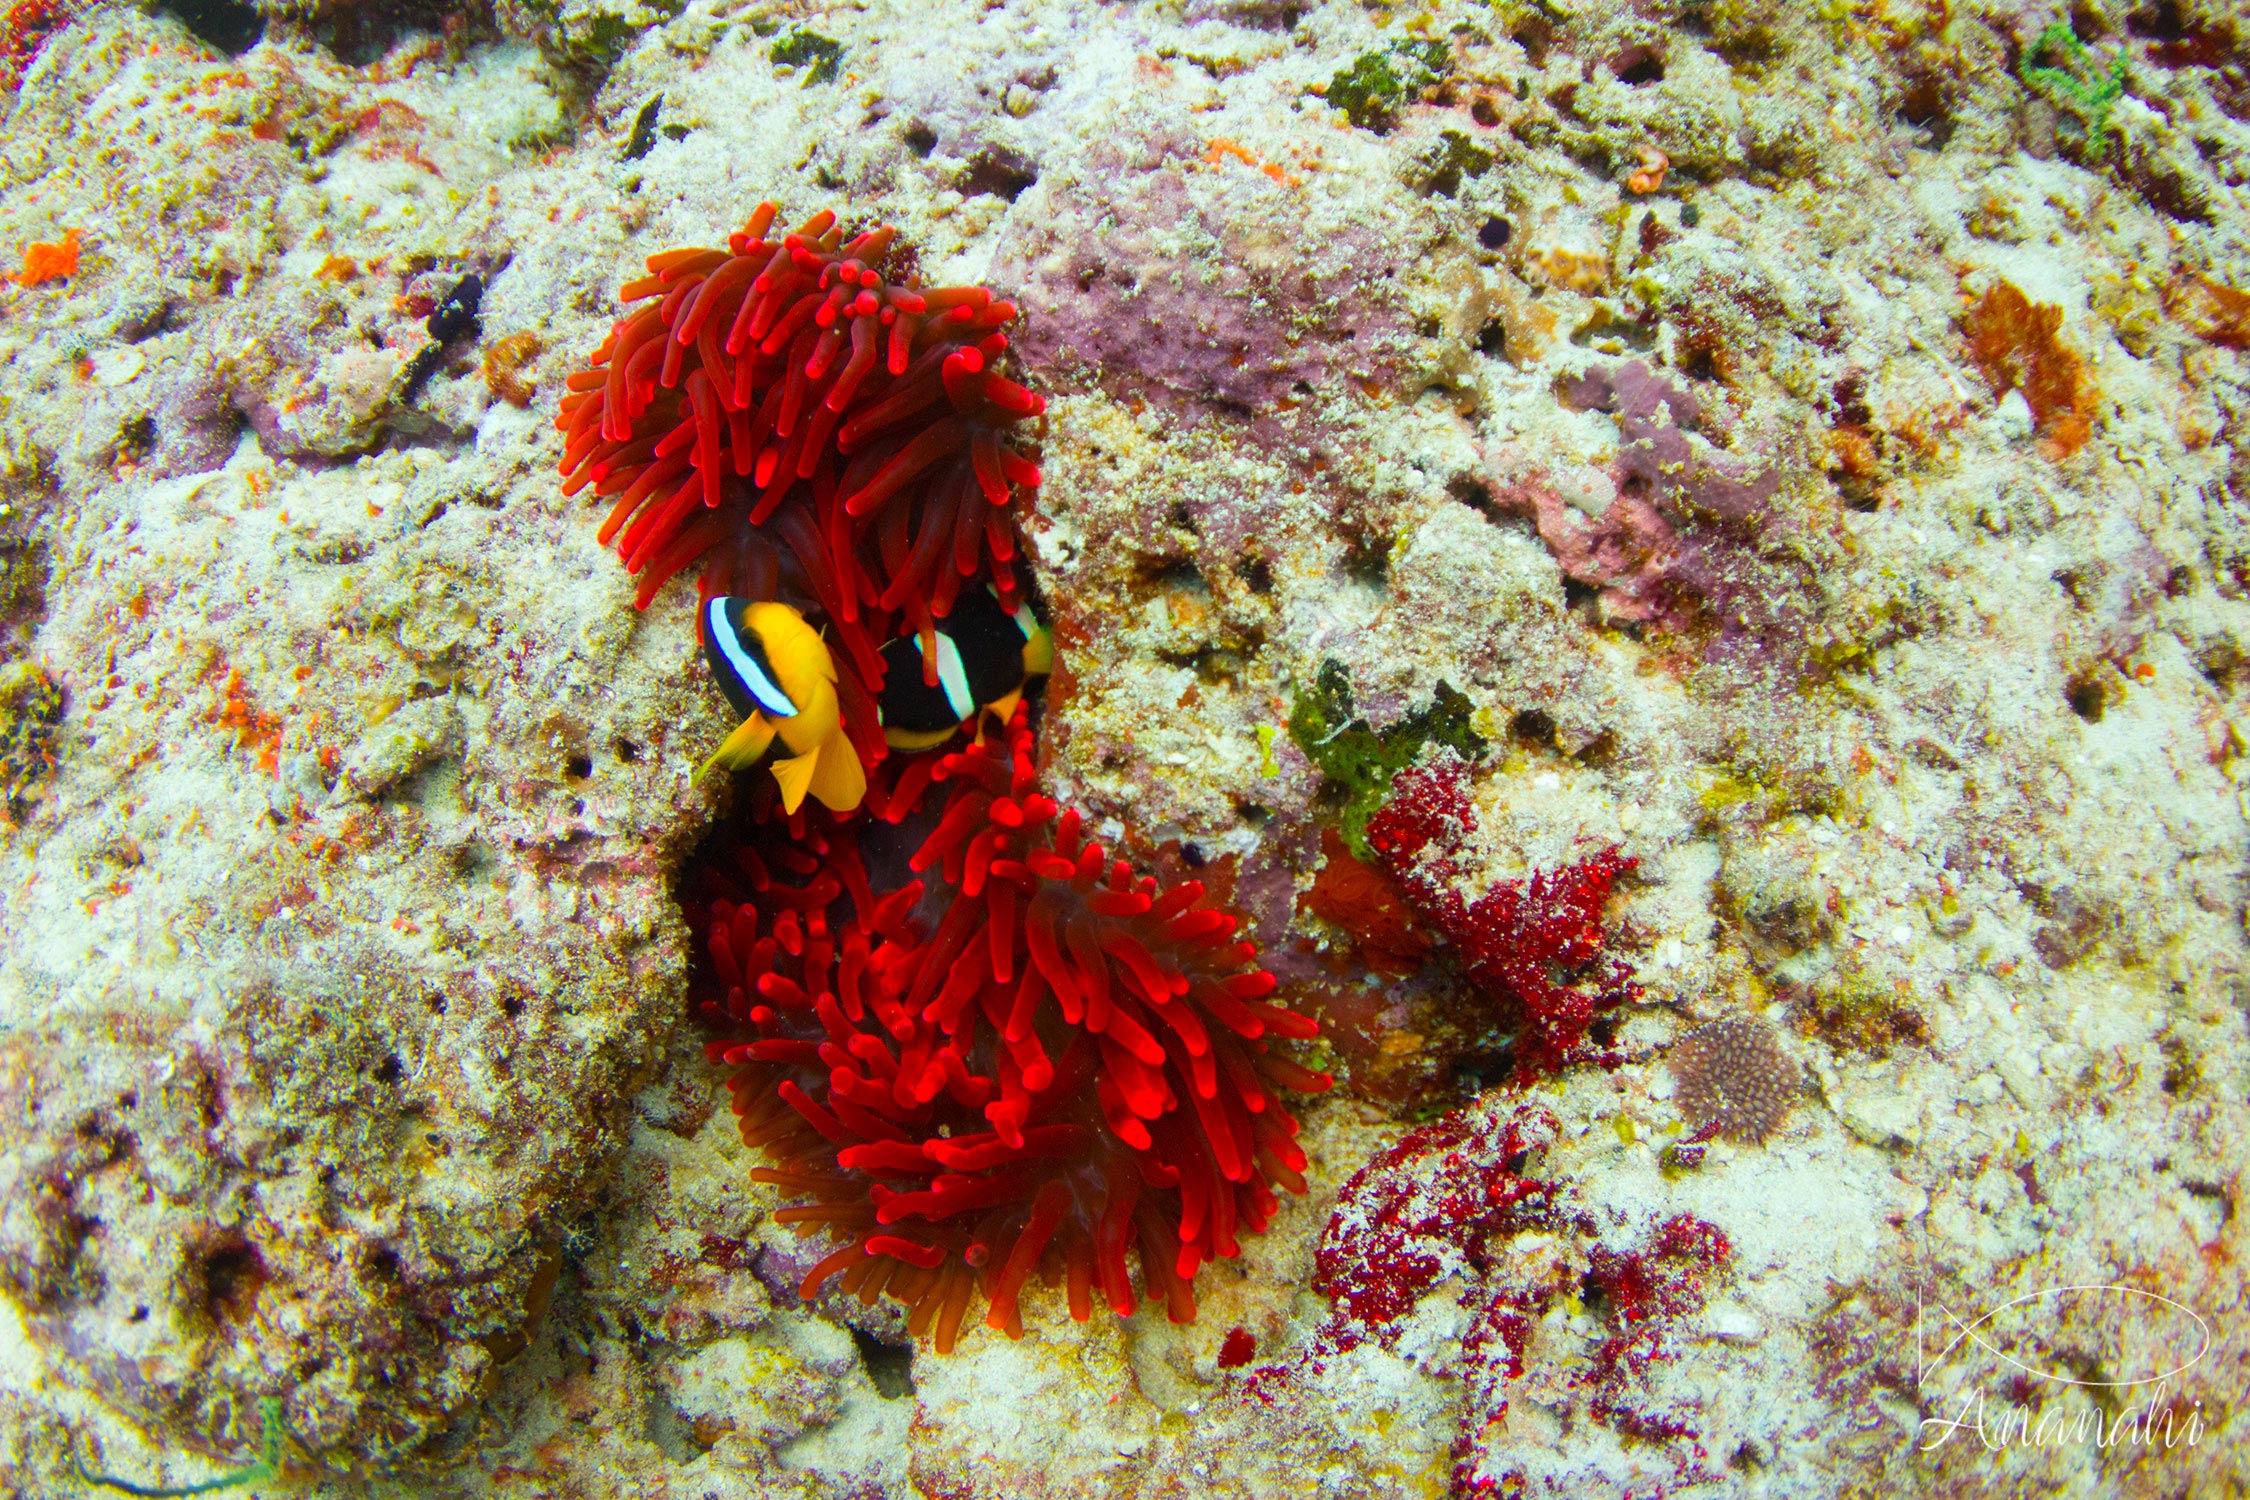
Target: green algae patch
x=2080, y=86
x=1454, y=158
x=30, y=708
x=818, y=55
x=1358, y=760
x=1370, y=89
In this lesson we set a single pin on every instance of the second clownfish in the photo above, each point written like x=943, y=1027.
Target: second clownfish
x=985, y=656
x=777, y=673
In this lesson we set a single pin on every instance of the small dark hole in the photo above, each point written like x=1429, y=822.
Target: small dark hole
x=579, y=767
x=1534, y=36
x=511, y=1005
x=1369, y=562
x=389, y=1071
x=1533, y=726
x=136, y=436
x=1172, y=573
x=627, y=751
x=920, y=139
x=1638, y=65
x=1257, y=575
x=998, y=171
x=1192, y=856
x=232, y=1274
x=1495, y=232
x=148, y=323
x=889, y=1366
x=1483, y=111
x=140, y=1315
x=228, y=25
x=643, y=134
x=2087, y=700
x=1470, y=489
x=1925, y=107
x=1492, y=340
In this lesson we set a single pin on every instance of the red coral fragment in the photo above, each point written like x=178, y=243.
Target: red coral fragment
x=2017, y=343
x=1047, y=1063
x=1644, y=1294
x=1238, y=1349
x=2209, y=309
x=43, y=262
x=1536, y=945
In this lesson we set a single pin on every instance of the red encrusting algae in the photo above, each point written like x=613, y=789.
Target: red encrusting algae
x=1029, y=1061
x=43, y=262
x=1437, y=1216
x=1535, y=945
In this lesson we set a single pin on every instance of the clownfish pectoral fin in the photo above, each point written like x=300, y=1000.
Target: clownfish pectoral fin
x=743, y=747
x=1039, y=653
x=795, y=773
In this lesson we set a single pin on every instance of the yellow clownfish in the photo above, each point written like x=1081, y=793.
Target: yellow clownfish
x=778, y=675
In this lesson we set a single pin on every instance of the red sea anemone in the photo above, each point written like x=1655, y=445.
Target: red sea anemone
x=808, y=387
x=1027, y=1062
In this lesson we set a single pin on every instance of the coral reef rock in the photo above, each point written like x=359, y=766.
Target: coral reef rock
x=1794, y=457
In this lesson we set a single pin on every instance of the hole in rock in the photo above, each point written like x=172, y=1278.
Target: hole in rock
x=228, y=25
x=889, y=1366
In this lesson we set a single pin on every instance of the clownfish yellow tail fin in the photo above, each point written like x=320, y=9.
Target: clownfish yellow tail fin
x=830, y=772
x=839, y=781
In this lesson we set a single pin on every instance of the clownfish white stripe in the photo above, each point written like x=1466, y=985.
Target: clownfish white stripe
x=720, y=631
x=953, y=677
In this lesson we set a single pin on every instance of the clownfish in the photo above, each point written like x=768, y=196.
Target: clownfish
x=985, y=655
x=777, y=673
